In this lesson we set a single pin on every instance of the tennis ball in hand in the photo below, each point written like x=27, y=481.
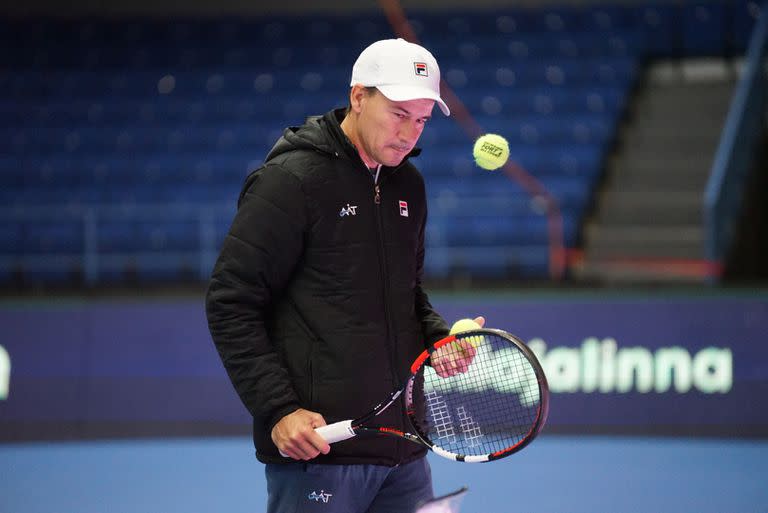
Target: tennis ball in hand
x=467, y=325
x=464, y=325
x=491, y=151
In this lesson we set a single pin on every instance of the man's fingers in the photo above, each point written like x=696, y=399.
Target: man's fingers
x=295, y=436
x=447, y=368
x=318, y=442
x=454, y=358
x=317, y=420
x=465, y=348
x=459, y=360
x=305, y=445
x=300, y=452
x=440, y=369
x=306, y=449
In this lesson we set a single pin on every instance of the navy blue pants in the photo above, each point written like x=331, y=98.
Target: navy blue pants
x=305, y=487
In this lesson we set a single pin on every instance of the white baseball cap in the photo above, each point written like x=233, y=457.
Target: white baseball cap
x=400, y=70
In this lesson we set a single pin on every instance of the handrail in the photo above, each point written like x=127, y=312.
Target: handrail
x=723, y=194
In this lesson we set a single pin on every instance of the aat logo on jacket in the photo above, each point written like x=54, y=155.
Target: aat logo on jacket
x=349, y=210
x=403, y=208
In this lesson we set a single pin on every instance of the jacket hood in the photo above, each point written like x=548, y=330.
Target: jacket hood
x=318, y=133
x=322, y=134
x=309, y=136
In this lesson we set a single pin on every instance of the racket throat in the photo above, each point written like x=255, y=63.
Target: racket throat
x=393, y=432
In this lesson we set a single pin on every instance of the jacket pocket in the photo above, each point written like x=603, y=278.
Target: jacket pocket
x=312, y=342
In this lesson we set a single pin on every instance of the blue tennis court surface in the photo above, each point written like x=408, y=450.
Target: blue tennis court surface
x=555, y=474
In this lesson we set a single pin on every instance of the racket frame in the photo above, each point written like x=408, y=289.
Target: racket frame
x=346, y=429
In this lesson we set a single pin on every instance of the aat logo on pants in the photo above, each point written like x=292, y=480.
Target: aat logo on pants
x=323, y=496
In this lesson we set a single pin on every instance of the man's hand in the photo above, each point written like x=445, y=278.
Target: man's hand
x=295, y=436
x=455, y=358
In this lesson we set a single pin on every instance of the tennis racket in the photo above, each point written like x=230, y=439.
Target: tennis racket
x=493, y=406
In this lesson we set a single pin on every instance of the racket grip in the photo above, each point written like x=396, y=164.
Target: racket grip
x=333, y=433
x=336, y=432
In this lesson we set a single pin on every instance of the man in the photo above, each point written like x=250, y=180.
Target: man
x=316, y=304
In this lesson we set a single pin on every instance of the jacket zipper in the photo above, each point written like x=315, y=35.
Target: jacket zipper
x=385, y=291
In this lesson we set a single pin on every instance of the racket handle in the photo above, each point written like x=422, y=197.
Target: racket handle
x=333, y=433
x=336, y=432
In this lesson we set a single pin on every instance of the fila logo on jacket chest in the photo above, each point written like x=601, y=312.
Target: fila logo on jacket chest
x=351, y=210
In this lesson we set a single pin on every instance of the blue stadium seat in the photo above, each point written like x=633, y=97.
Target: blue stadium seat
x=54, y=272
x=704, y=28
x=659, y=22
x=499, y=262
x=123, y=113
x=162, y=235
x=453, y=204
x=605, y=18
x=116, y=236
x=484, y=229
x=12, y=169
x=554, y=73
x=744, y=14
x=11, y=238
x=480, y=230
x=556, y=20
x=166, y=268
x=53, y=237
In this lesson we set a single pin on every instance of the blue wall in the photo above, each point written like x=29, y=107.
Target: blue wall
x=637, y=363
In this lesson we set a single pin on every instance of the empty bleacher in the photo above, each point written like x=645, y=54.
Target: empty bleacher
x=124, y=142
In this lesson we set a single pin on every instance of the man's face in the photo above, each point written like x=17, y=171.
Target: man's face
x=388, y=130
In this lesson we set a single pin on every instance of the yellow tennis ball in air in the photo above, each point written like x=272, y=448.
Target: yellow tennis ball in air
x=491, y=151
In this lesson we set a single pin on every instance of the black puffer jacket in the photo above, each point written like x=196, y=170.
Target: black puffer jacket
x=316, y=298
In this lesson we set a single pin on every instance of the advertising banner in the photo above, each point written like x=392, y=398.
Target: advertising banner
x=646, y=364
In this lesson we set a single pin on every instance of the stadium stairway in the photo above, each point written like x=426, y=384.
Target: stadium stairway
x=648, y=224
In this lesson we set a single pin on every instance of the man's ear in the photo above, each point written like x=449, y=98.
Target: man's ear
x=356, y=96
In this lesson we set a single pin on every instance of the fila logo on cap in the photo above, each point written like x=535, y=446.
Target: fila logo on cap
x=421, y=69
x=403, y=208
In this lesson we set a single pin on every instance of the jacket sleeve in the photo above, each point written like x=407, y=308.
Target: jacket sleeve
x=433, y=326
x=256, y=261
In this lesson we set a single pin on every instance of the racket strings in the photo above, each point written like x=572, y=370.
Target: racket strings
x=491, y=407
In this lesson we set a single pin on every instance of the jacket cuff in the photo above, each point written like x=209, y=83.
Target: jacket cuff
x=437, y=335
x=279, y=414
